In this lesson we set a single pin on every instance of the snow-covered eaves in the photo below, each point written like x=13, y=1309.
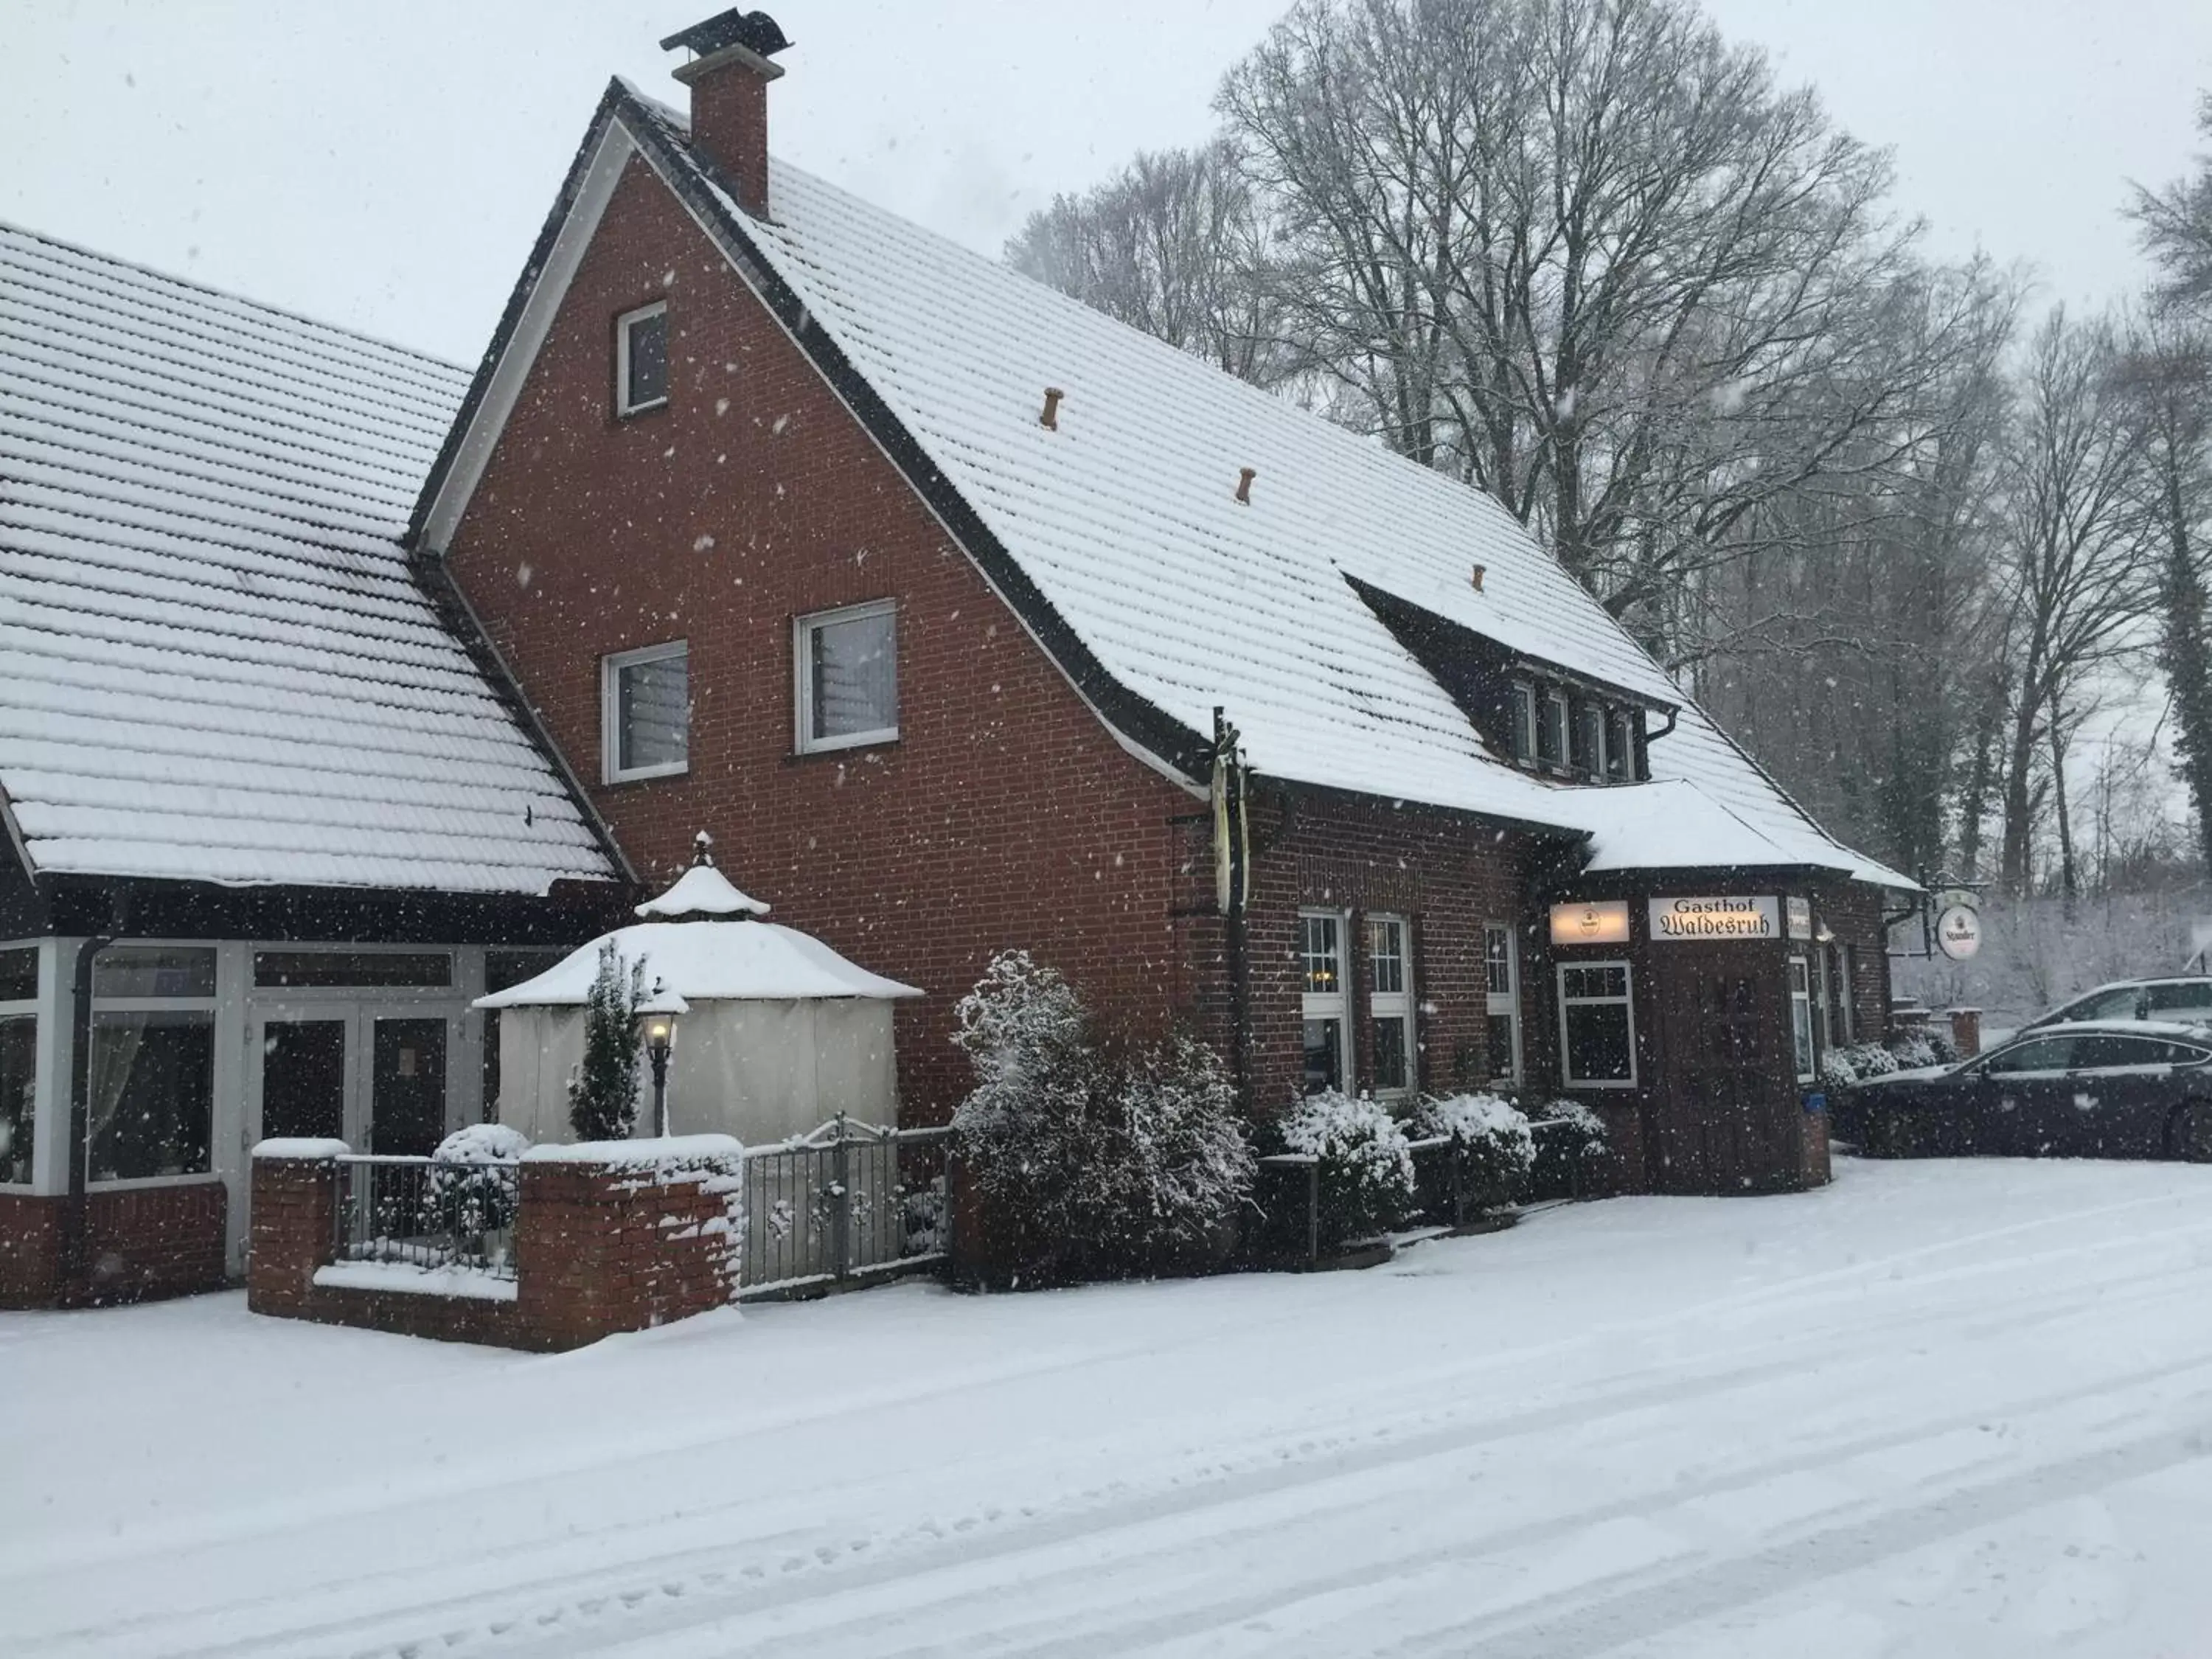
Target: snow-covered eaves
x=1117, y=536
x=215, y=663
x=739, y=961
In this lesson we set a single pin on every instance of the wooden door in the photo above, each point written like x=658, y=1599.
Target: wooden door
x=1723, y=1115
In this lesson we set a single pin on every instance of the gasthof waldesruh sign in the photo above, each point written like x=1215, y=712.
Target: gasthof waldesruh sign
x=1711, y=916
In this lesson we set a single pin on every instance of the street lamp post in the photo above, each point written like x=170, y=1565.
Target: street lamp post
x=657, y=1015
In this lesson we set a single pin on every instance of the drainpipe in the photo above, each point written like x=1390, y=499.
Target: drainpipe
x=75, y=1213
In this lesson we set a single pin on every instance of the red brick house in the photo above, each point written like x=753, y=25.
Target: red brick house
x=968, y=619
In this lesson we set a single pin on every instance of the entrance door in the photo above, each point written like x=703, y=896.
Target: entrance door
x=407, y=1085
x=1723, y=1118
x=303, y=1076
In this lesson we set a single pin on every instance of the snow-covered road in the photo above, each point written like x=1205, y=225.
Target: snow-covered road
x=1937, y=1409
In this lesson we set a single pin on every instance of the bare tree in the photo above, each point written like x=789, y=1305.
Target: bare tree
x=2075, y=573
x=1172, y=245
x=1586, y=254
x=2175, y=226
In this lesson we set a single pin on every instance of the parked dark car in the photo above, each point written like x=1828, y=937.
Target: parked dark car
x=2184, y=998
x=2101, y=1089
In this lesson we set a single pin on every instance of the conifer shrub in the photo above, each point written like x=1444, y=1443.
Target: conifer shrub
x=603, y=1092
x=1095, y=1159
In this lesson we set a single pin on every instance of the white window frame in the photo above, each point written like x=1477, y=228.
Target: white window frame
x=1524, y=723
x=612, y=769
x=1847, y=956
x=1506, y=1003
x=211, y=1005
x=1561, y=761
x=1620, y=745
x=1327, y=1005
x=1397, y=1005
x=623, y=324
x=1626, y=1000
x=802, y=664
x=1806, y=1060
x=31, y=1009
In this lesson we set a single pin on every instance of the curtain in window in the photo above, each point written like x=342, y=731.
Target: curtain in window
x=656, y=713
x=18, y=1046
x=153, y=1093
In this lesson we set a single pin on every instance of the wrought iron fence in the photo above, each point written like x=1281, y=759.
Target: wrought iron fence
x=428, y=1213
x=851, y=1200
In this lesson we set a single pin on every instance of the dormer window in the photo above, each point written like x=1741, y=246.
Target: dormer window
x=1552, y=730
x=642, y=359
x=1620, y=747
x=1587, y=742
x=1524, y=722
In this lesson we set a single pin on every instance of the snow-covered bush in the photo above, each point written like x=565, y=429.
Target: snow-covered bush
x=1570, y=1136
x=1913, y=1051
x=603, y=1093
x=1095, y=1160
x=1837, y=1070
x=1944, y=1046
x=1366, y=1170
x=1493, y=1144
x=462, y=1193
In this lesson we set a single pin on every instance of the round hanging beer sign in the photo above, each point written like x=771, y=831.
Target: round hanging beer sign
x=1959, y=932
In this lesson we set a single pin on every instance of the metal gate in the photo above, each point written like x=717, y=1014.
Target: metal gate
x=850, y=1204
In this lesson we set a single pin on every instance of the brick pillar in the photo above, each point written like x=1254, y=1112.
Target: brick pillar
x=292, y=1221
x=1966, y=1032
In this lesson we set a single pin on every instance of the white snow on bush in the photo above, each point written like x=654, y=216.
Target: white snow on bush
x=482, y=1143
x=1356, y=1133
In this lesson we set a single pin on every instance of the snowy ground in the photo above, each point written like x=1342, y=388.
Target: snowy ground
x=1938, y=1409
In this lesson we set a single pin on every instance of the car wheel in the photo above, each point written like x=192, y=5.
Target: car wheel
x=2189, y=1132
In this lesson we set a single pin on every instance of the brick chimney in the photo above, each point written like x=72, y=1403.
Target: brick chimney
x=728, y=75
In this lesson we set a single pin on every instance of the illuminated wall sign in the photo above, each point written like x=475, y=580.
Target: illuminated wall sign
x=1602, y=923
x=1797, y=910
x=1715, y=918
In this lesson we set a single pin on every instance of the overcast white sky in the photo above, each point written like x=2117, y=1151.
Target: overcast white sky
x=386, y=165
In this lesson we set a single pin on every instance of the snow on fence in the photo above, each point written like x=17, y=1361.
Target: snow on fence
x=849, y=1204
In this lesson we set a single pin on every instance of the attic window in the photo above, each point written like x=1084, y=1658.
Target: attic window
x=1524, y=722
x=1620, y=747
x=1588, y=741
x=1552, y=730
x=642, y=359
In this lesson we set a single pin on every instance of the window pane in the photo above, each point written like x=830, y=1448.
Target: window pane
x=1317, y=949
x=1801, y=1032
x=310, y=967
x=1388, y=1037
x=1587, y=738
x=1552, y=730
x=2170, y=999
x=654, y=712
x=153, y=1094
x=1621, y=748
x=1497, y=960
x=1503, y=1061
x=153, y=970
x=649, y=360
x=855, y=676
x=1597, y=1043
x=2044, y=1054
x=1386, y=946
x=506, y=969
x=19, y=975
x=19, y=1054
x=1324, y=1051
x=1610, y=981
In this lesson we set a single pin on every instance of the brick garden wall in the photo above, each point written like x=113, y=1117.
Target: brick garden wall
x=141, y=1243
x=599, y=1249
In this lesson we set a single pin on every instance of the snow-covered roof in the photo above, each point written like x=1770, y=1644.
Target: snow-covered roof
x=701, y=890
x=214, y=663
x=1123, y=545
x=708, y=961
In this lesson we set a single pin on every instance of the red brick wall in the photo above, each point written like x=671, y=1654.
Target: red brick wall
x=1853, y=911
x=1005, y=816
x=598, y=1251
x=141, y=1243
x=1445, y=874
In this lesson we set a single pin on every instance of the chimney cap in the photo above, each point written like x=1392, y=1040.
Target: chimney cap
x=755, y=31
